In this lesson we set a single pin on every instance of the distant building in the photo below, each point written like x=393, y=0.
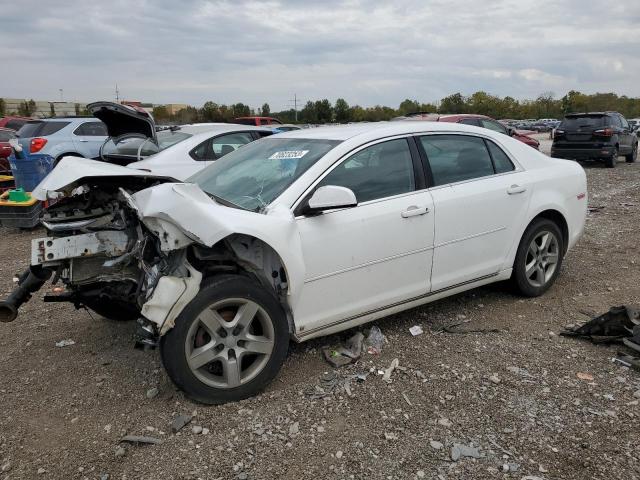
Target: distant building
x=45, y=108
x=173, y=108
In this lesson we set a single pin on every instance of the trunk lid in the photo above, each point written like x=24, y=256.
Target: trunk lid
x=131, y=130
x=580, y=128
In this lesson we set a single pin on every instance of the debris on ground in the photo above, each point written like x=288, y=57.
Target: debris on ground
x=451, y=328
x=416, y=330
x=618, y=325
x=459, y=450
x=610, y=327
x=351, y=351
x=180, y=422
x=65, y=343
x=152, y=393
x=138, y=439
x=387, y=373
x=374, y=341
x=585, y=376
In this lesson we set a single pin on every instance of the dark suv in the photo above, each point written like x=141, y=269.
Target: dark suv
x=595, y=136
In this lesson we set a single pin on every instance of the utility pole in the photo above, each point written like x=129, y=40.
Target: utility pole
x=295, y=105
x=117, y=94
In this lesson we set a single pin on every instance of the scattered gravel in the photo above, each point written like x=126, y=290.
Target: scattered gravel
x=537, y=421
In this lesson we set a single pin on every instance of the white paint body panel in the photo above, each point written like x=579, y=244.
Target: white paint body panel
x=352, y=265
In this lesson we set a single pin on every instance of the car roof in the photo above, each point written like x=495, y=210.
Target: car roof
x=382, y=129
x=197, y=128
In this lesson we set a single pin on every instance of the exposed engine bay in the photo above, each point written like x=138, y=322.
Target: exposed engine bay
x=125, y=263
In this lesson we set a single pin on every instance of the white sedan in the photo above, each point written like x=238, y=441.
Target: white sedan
x=197, y=147
x=301, y=235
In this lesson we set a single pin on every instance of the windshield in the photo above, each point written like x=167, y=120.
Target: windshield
x=256, y=174
x=167, y=138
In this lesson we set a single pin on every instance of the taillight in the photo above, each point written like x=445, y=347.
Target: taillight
x=604, y=132
x=37, y=144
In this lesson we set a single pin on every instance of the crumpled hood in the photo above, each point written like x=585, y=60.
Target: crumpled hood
x=72, y=172
x=180, y=214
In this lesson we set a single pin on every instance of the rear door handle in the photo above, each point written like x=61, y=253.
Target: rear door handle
x=414, y=211
x=514, y=189
x=83, y=141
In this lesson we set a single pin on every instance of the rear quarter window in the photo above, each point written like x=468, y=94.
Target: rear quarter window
x=49, y=128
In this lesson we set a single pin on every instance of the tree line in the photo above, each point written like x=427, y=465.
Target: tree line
x=545, y=105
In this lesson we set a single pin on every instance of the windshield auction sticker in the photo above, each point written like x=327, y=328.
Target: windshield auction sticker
x=288, y=154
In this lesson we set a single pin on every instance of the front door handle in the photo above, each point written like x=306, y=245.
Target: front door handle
x=514, y=189
x=83, y=140
x=414, y=211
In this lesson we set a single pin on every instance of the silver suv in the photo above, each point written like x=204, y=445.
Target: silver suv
x=63, y=136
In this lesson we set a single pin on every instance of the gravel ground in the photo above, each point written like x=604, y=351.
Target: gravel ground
x=512, y=396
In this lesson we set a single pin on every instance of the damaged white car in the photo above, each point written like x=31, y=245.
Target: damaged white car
x=300, y=235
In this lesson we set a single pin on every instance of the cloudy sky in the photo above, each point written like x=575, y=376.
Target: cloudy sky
x=369, y=52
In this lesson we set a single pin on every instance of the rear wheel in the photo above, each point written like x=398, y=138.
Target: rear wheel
x=228, y=343
x=612, y=160
x=539, y=258
x=633, y=155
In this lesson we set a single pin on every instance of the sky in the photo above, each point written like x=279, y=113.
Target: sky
x=368, y=52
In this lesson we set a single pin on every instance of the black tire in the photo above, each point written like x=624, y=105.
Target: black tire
x=633, y=155
x=522, y=283
x=612, y=160
x=114, y=310
x=188, y=330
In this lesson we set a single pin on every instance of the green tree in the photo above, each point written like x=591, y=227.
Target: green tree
x=309, y=114
x=241, y=110
x=52, y=110
x=3, y=107
x=341, y=110
x=161, y=114
x=324, y=111
x=455, y=103
x=266, y=110
x=408, y=106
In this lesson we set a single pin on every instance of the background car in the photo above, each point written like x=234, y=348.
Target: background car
x=63, y=136
x=257, y=121
x=285, y=127
x=595, y=136
x=198, y=146
x=6, y=134
x=478, y=121
x=13, y=122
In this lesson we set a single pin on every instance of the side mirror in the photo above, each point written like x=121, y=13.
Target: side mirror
x=328, y=198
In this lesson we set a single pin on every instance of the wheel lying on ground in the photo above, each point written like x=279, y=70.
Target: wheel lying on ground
x=114, y=310
x=612, y=160
x=633, y=155
x=539, y=258
x=228, y=343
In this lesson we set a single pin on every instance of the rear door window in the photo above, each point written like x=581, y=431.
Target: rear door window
x=455, y=158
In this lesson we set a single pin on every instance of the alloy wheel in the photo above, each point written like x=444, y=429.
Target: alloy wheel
x=542, y=258
x=230, y=343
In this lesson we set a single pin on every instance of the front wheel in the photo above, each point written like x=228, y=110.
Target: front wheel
x=228, y=343
x=539, y=258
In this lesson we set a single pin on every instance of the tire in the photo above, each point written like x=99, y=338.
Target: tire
x=114, y=310
x=612, y=160
x=213, y=332
x=544, y=270
x=632, y=157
